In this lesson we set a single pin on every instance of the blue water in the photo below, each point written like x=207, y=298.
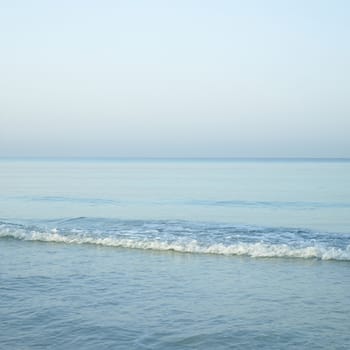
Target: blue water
x=174, y=254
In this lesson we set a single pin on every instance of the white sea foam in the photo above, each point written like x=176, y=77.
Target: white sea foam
x=256, y=250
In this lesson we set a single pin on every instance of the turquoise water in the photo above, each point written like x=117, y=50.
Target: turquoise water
x=174, y=254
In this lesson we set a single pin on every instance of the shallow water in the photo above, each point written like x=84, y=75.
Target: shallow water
x=174, y=255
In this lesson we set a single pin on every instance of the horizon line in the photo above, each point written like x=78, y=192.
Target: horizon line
x=218, y=158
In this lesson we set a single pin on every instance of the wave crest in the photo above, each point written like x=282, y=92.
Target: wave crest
x=254, y=249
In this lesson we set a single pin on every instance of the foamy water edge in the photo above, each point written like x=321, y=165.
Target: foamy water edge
x=255, y=250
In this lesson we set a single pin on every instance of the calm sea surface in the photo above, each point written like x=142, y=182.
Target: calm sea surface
x=174, y=254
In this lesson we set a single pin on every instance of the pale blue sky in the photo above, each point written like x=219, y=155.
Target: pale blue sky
x=175, y=78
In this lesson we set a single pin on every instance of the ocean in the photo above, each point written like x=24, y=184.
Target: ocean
x=174, y=253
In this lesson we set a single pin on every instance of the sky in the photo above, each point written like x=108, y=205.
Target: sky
x=179, y=78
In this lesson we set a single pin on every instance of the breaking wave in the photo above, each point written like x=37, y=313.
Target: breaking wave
x=186, y=237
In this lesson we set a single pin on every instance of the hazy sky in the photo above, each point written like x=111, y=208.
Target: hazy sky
x=175, y=78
